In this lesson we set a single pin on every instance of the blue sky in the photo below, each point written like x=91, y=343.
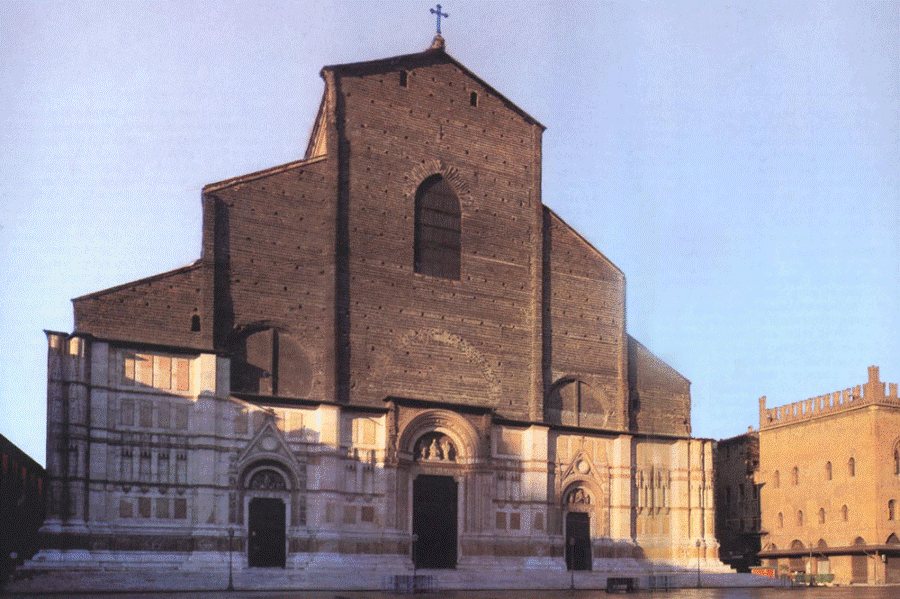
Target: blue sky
x=739, y=161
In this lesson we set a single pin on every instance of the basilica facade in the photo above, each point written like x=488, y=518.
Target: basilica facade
x=390, y=355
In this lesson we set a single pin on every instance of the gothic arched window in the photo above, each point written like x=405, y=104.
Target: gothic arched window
x=897, y=459
x=851, y=467
x=828, y=470
x=437, y=241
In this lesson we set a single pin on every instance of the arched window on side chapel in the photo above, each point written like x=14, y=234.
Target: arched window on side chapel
x=437, y=235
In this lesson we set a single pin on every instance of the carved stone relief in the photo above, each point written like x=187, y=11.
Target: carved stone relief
x=267, y=480
x=435, y=447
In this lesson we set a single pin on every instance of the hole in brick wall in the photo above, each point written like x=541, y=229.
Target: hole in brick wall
x=473, y=99
x=195, y=323
x=404, y=79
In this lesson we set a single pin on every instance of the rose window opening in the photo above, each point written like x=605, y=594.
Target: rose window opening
x=435, y=447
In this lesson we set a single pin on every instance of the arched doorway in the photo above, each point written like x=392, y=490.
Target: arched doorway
x=434, y=521
x=266, y=519
x=822, y=564
x=440, y=447
x=859, y=563
x=577, y=504
x=892, y=561
x=797, y=562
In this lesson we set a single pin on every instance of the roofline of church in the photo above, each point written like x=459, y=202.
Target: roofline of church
x=660, y=360
x=394, y=62
x=181, y=269
x=588, y=243
x=267, y=172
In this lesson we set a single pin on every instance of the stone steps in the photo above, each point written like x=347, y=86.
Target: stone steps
x=351, y=579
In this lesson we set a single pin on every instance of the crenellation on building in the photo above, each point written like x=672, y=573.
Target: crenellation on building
x=871, y=393
x=828, y=485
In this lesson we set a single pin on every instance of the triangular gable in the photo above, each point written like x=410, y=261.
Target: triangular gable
x=434, y=55
x=584, y=241
x=660, y=367
x=268, y=444
x=317, y=139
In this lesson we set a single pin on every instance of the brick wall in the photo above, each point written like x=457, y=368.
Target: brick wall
x=270, y=244
x=467, y=341
x=159, y=309
x=660, y=397
x=584, y=320
x=322, y=250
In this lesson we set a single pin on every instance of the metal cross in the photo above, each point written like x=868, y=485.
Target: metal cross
x=439, y=15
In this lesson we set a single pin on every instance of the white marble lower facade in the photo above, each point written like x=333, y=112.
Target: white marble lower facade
x=154, y=463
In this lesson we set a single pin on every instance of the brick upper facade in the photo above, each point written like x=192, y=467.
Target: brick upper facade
x=321, y=251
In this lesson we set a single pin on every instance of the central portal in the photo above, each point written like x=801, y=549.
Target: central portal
x=578, y=541
x=266, y=531
x=434, y=521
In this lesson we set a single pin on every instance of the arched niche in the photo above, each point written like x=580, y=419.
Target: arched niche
x=572, y=401
x=267, y=360
x=438, y=425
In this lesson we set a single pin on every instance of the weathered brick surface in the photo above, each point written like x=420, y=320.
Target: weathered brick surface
x=466, y=341
x=323, y=251
x=661, y=398
x=158, y=309
x=584, y=319
x=271, y=253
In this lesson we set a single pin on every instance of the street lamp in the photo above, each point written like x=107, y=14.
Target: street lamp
x=698, y=563
x=230, y=546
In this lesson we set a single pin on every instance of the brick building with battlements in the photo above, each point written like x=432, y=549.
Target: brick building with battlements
x=829, y=480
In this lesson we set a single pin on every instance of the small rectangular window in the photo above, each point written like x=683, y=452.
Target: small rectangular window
x=404, y=80
x=473, y=99
x=162, y=507
x=144, y=507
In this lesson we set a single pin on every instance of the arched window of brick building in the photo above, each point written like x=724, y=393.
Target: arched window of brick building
x=437, y=236
x=897, y=459
x=776, y=480
x=780, y=520
x=800, y=518
x=845, y=513
x=821, y=515
x=828, y=470
x=795, y=476
x=796, y=564
x=891, y=509
x=851, y=467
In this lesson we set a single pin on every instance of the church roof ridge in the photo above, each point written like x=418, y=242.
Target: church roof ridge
x=150, y=279
x=584, y=240
x=668, y=366
x=435, y=53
